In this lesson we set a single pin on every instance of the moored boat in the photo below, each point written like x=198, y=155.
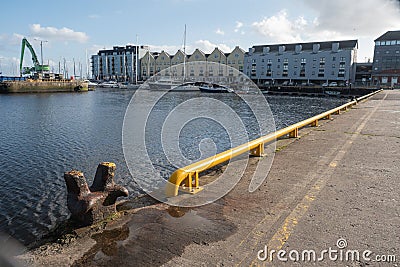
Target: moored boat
x=214, y=88
x=164, y=84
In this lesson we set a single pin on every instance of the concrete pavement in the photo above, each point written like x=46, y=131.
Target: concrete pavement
x=336, y=188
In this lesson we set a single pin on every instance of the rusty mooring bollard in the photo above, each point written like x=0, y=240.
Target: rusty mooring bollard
x=92, y=205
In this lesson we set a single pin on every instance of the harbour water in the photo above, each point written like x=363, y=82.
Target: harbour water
x=44, y=135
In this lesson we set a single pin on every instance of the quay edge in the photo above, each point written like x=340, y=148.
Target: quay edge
x=34, y=86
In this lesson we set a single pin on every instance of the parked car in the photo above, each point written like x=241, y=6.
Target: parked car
x=325, y=84
x=306, y=84
x=333, y=84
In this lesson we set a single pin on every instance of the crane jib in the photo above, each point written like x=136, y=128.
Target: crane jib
x=37, y=66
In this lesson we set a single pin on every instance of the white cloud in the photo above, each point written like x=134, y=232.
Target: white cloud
x=238, y=26
x=335, y=19
x=279, y=28
x=220, y=32
x=13, y=40
x=63, y=34
x=207, y=47
x=354, y=18
x=170, y=49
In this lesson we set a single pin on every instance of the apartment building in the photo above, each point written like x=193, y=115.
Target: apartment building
x=296, y=63
x=119, y=63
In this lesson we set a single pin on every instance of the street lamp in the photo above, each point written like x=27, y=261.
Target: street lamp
x=41, y=47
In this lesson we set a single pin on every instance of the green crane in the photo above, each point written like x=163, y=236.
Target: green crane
x=37, y=66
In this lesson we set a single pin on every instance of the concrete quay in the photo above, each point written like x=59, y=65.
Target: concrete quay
x=335, y=188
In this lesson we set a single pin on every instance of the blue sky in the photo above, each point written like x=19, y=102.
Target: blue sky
x=74, y=27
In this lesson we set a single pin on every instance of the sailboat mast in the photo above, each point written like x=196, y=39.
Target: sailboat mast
x=148, y=62
x=87, y=64
x=184, y=54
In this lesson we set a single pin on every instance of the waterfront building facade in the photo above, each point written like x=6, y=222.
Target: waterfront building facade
x=148, y=64
x=196, y=63
x=235, y=58
x=163, y=61
x=386, y=64
x=299, y=63
x=118, y=64
x=177, y=61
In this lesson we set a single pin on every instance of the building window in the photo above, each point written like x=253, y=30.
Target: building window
x=303, y=60
x=333, y=66
x=333, y=58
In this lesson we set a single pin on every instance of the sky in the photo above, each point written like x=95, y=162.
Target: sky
x=75, y=28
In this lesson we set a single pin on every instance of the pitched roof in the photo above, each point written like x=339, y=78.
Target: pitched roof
x=389, y=36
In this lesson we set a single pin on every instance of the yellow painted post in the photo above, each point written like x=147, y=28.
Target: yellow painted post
x=190, y=182
x=314, y=123
x=294, y=133
x=337, y=112
x=328, y=117
x=258, y=151
x=196, y=180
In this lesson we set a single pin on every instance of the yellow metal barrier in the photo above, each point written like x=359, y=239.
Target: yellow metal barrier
x=183, y=177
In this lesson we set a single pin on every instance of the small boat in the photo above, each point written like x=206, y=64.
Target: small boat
x=110, y=84
x=214, y=88
x=164, y=84
x=92, y=84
